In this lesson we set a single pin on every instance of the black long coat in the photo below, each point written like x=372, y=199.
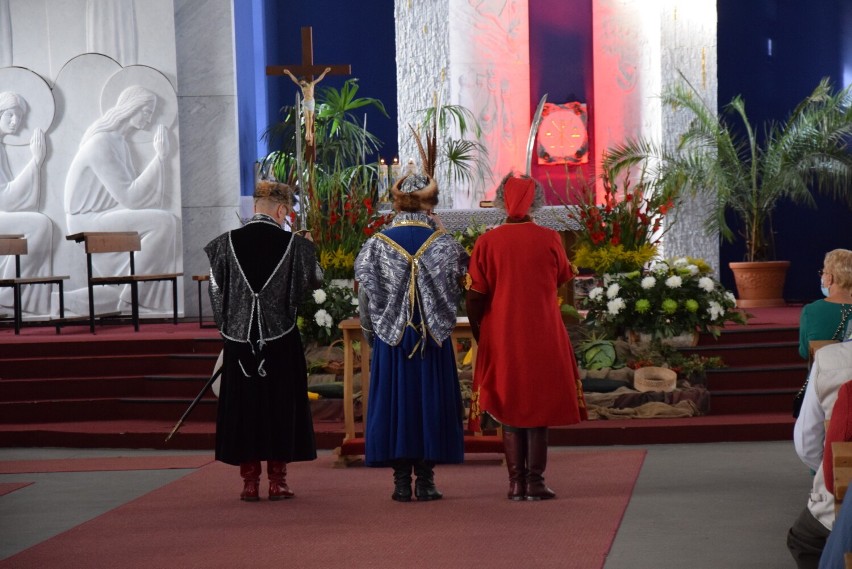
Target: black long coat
x=263, y=418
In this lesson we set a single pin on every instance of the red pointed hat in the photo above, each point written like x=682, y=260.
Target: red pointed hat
x=518, y=194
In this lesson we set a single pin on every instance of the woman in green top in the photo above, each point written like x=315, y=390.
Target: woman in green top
x=827, y=319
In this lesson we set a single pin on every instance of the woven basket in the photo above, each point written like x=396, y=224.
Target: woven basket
x=654, y=379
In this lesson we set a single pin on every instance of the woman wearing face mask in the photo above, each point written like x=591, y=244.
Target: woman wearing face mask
x=827, y=318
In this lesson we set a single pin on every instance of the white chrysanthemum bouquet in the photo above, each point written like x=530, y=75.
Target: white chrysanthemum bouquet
x=323, y=311
x=667, y=299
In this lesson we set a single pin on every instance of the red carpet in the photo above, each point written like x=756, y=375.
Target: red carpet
x=106, y=463
x=345, y=518
x=8, y=487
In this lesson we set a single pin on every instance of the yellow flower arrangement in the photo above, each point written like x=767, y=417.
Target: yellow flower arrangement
x=613, y=258
x=337, y=260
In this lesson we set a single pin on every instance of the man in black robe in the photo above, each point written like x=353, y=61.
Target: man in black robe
x=259, y=275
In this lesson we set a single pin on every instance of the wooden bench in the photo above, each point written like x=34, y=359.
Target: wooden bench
x=17, y=245
x=120, y=242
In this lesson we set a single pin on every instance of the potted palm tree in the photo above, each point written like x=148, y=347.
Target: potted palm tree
x=745, y=176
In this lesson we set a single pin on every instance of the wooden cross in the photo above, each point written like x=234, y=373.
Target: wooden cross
x=308, y=69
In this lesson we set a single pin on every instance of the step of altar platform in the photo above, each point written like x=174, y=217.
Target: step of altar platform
x=126, y=389
x=762, y=373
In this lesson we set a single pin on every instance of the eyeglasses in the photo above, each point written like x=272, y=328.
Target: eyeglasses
x=820, y=272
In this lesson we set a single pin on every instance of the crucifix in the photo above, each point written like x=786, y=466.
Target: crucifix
x=306, y=71
x=303, y=76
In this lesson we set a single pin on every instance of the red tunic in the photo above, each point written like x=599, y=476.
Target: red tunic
x=526, y=374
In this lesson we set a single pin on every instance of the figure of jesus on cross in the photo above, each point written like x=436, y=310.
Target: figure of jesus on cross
x=307, y=83
x=308, y=101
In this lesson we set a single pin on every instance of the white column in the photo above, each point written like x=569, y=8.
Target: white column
x=422, y=62
x=640, y=49
x=689, y=37
x=627, y=75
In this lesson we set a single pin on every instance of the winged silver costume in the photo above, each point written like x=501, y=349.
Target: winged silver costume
x=393, y=283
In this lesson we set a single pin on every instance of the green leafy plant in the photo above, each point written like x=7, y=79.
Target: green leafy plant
x=448, y=141
x=687, y=365
x=338, y=186
x=659, y=355
x=340, y=138
x=723, y=158
x=467, y=237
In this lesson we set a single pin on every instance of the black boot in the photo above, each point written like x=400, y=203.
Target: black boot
x=515, y=447
x=537, y=462
x=401, y=481
x=424, y=486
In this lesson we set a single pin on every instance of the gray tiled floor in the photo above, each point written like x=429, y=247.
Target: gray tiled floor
x=702, y=506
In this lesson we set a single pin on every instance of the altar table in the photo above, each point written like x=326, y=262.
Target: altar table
x=353, y=446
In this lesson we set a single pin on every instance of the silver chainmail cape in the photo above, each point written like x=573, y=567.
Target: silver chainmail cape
x=270, y=312
x=393, y=283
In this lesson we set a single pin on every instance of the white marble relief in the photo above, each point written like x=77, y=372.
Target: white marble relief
x=489, y=66
x=50, y=38
x=19, y=215
x=111, y=29
x=24, y=117
x=104, y=191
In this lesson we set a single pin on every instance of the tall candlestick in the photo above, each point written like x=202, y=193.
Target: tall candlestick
x=383, y=181
x=395, y=171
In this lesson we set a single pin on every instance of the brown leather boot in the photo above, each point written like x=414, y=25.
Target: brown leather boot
x=277, y=472
x=537, y=462
x=515, y=448
x=250, y=471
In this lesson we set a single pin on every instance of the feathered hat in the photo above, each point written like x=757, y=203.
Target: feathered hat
x=415, y=192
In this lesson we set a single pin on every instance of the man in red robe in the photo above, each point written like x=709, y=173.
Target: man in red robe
x=526, y=374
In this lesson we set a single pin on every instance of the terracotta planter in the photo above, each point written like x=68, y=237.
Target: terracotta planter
x=760, y=284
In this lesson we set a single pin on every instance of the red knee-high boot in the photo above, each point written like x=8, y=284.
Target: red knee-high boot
x=537, y=462
x=250, y=471
x=515, y=447
x=277, y=472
